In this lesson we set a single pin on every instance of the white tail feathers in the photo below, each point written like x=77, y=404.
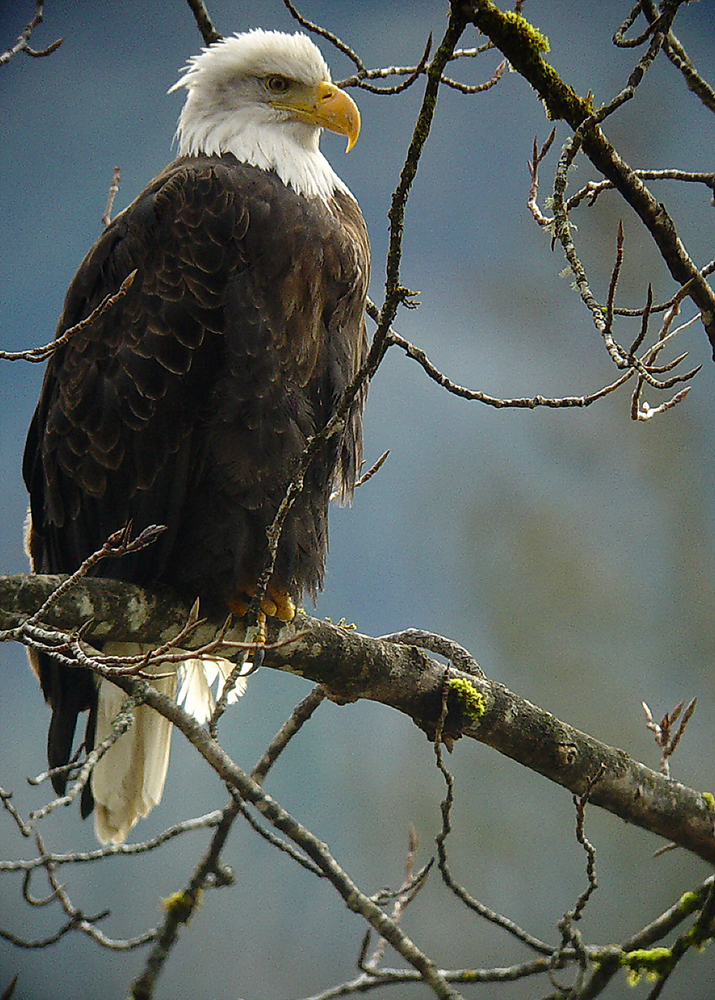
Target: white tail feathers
x=197, y=678
x=128, y=781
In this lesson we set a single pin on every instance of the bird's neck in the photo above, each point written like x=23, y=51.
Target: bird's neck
x=290, y=149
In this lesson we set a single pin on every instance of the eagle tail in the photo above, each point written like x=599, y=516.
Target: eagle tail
x=128, y=780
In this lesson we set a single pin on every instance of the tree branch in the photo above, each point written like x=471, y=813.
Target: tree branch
x=23, y=42
x=352, y=666
x=204, y=22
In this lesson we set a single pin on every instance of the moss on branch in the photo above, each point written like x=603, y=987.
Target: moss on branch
x=524, y=45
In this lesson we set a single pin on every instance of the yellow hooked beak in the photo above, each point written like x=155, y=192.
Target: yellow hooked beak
x=327, y=107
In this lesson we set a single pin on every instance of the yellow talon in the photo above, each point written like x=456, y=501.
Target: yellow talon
x=284, y=605
x=275, y=604
x=268, y=607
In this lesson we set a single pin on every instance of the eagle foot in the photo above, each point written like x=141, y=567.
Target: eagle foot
x=283, y=605
x=275, y=604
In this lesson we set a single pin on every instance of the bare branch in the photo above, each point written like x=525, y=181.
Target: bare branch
x=299, y=716
x=412, y=76
x=562, y=102
x=590, y=192
x=77, y=920
x=204, y=22
x=456, y=654
x=411, y=885
x=679, y=57
x=529, y=402
x=666, y=736
x=113, y=850
x=459, y=891
x=478, y=88
x=23, y=42
x=113, y=190
x=37, y=354
x=317, y=29
x=580, y=802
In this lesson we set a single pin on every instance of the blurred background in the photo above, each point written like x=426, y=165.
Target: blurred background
x=571, y=551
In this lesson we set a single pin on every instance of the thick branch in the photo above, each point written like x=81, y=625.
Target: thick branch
x=351, y=666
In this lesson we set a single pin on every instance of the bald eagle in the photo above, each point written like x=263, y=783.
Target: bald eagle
x=188, y=401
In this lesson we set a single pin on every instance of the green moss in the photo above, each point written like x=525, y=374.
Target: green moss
x=698, y=936
x=689, y=902
x=181, y=905
x=530, y=35
x=709, y=800
x=470, y=698
x=343, y=623
x=523, y=45
x=654, y=963
x=469, y=975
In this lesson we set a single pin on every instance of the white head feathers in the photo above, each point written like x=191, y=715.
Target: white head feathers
x=255, y=53
x=229, y=108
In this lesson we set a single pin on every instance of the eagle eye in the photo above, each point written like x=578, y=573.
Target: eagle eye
x=277, y=84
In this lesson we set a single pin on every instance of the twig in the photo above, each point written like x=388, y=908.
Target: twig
x=398, y=88
x=180, y=907
x=571, y=938
x=395, y=294
x=279, y=843
x=590, y=191
x=119, y=543
x=411, y=885
x=113, y=189
x=581, y=802
x=665, y=736
x=112, y=850
x=317, y=29
x=77, y=920
x=477, y=88
x=204, y=22
x=451, y=650
x=298, y=717
x=441, y=840
x=251, y=792
x=38, y=354
x=519, y=402
x=123, y=721
x=23, y=42
x=366, y=476
x=680, y=59
x=413, y=73
x=619, y=35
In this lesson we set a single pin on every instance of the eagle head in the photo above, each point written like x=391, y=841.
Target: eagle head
x=265, y=97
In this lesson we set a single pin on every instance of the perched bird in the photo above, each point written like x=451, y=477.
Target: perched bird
x=188, y=401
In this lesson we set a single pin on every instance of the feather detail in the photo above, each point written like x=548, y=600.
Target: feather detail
x=197, y=678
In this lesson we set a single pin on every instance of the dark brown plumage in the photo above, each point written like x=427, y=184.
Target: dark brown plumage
x=189, y=402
